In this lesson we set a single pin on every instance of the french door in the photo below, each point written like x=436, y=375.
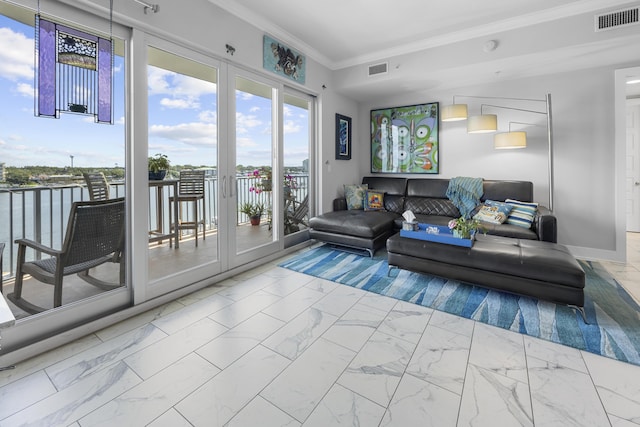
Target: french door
x=253, y=168
x=182, y=110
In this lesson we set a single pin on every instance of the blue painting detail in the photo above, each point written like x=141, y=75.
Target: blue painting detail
x=283, y=60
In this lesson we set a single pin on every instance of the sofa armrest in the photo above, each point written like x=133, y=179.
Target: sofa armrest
x=340, y=204
x=545, y=225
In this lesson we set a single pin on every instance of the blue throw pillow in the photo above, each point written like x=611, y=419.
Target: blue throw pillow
x=493, y=212
x=522, y=213
x=354, y=194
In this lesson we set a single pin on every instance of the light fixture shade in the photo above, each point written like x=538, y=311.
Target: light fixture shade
x=482, y=124
x=454, y=112
x=510, y=140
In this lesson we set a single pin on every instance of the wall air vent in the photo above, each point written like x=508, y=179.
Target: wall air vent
x=620, y=18
x=377, y=69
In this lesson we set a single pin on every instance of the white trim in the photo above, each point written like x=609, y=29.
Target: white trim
x=592, y=254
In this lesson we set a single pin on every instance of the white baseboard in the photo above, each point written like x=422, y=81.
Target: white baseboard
x=595, y=254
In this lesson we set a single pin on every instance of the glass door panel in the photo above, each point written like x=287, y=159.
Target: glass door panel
x=183, y=204
x=296, y=160
x=253, y=157
x=54, y=154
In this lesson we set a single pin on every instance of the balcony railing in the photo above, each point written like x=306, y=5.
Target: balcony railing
x=41, y=213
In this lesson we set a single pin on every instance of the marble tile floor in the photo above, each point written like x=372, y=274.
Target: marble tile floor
x=272, y=347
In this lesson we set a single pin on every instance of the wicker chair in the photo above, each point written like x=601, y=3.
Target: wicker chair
x=94, y=236
x=190, y=190
x=97, y=186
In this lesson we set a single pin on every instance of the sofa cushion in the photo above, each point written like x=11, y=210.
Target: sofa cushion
x=522, y=213
x=374, y=200
x=354, y=222
x=354, y=194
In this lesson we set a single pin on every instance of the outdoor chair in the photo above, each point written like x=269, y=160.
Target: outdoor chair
x=94, y=236
x=97, y=186
x=296, y=216
x=190, y=190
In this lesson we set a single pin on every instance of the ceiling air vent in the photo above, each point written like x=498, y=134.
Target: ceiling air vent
x=620, y=18
x=377, y=69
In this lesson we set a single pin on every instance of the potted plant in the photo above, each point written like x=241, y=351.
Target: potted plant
x=463, y=227
x=158, y=166
x=253, y=211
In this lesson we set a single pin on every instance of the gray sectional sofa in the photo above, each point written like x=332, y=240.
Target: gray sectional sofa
x=426, y=198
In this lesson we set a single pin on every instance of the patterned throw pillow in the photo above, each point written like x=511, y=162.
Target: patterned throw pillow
x=374, y=200
x=355, y=195
x=522, y=213
x=493, y=212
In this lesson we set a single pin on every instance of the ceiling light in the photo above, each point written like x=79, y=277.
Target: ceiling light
x=454, y=112
x=482, y=124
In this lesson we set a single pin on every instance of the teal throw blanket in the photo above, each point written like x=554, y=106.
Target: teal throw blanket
x=465, y=193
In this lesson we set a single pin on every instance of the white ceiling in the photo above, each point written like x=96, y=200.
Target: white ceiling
x=342, y=34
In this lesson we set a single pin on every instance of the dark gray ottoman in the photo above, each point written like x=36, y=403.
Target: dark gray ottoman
x=356, y=229
x=542, y=270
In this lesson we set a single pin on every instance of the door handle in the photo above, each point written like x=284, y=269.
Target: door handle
x=636, y=183
x=224, y=187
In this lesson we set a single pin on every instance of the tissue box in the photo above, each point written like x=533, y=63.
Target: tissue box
x=410, y=225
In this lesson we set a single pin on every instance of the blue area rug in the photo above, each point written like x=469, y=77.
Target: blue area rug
x=614, y=317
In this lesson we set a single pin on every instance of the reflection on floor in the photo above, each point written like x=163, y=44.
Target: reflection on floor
x=272, y=347
x=163, y=261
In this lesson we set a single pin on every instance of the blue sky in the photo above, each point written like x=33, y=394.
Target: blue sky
x=182, y=119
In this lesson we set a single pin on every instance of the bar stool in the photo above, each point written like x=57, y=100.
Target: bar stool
x=190, y=190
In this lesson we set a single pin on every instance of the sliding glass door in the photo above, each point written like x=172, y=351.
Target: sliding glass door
x=183, y=185
x=298, y=131
x=253, y=172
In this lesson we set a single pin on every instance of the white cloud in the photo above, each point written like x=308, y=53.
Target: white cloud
x=157, y=80
x=244, y=122
x=182, y=104
x=16, y=56
x=165, y=82
x=254, y=109
x=25, y=89
x=290, y=126
x=209, y=116
x=187, y=133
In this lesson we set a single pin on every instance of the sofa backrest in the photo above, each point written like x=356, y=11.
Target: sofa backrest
x=393, y=186
x=394, y=189
x=493, y=189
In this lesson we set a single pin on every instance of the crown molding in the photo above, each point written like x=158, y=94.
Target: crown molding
x=560, y=12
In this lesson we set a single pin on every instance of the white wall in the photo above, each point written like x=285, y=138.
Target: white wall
x=584, y=137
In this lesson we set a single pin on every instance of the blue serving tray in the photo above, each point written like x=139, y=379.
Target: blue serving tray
x=444, y=235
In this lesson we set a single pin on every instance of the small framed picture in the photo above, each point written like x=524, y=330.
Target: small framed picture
x=343, y=137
